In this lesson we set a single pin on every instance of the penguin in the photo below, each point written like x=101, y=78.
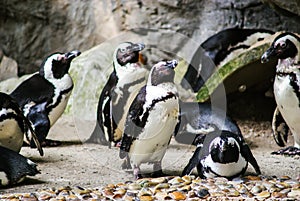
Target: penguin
x=13, y=125
x=51, y=87
x=14, y=167
x=124, y=82
x=216, y=51
x=222, y=154
x=199, y=119
x=286, y=48
x=152, y=120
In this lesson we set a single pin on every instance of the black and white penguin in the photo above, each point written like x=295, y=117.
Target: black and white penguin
x=199, y=119
x=13, y=125
x=152, y=119
x=14, y=167
x=286, y=48
x=51, y=87
x=217, y=50
x=222, y=154
x=125, y=81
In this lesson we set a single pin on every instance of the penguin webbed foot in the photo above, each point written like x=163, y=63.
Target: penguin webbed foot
x=126, y=164
x=288, y=151
x=47, y=143
x=137, y=173
x=157, y=170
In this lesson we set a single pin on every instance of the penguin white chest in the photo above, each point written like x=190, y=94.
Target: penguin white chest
x=226, y=170
x=11, y=135
x=287, y=101
x=152, y=143
x=58, y=110
x=63, y=89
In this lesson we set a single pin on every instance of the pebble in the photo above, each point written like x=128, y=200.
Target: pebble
x=174, y=188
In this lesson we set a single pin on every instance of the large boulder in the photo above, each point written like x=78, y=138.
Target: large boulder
x=30, y=30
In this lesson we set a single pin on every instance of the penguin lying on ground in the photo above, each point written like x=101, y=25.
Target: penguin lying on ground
x=151, y=120
x=47, y=92
x=218, y=49
x=13, y=166
x=286, y=48
x=122, y=86
x=199, y=119
x=221, y=153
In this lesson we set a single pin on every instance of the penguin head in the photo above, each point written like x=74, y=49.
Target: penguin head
x=224, y=149
x=285, y=45
x=162, y=72
x=57, y=65
x=127, y=53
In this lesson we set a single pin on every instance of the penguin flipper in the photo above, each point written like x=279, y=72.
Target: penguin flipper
x=247, y=154
x=134, y=123
x=194, y=161
x=15, y=167
x=280, y=128
x=104, y=110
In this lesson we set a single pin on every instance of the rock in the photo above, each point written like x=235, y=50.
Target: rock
x=49, y=26
x=8, y=68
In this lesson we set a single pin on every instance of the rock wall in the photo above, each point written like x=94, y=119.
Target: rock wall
x=30, y=29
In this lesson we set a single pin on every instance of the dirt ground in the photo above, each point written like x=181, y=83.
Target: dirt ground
x=89, y=165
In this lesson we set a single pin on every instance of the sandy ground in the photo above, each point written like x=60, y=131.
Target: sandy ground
x=89, y=165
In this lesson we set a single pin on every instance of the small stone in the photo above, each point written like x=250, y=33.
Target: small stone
x=176, y=180
x=294, y=193
x=253, y=178
x=256, y=189
x=117, y=197
x=202, y=193
x=233, y=193
x=277, y=195
x=146, y=198
x=134, y=186
x=185, y=188
x=159, y=180
x=177, y=195
x=217, y=194
x=263, y=194
x=161, y=186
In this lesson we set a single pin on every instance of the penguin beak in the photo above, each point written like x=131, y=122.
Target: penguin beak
x=71, y=55
x=137, y=47
x=269, y=53
x=172, y=64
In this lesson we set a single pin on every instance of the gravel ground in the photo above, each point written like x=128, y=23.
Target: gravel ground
x=88, y=165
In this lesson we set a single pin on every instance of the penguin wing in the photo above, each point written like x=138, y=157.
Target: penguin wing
x=247, y=154
x=24, y=123
x=35, y=89
x=280, y=128
x=15, y=166
x=104, y=113
x=134, y=123
x=194, y=161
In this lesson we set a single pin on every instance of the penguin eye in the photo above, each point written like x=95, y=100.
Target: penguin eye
x=283, y=45
x=122, y=49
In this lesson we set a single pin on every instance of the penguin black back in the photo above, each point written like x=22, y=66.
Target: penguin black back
x=14, y=167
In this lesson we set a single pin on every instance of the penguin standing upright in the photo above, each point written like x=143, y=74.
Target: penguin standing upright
x=152, y=119
x=13, y=166
x=223, y=154
x=122, y=86
x=49, y=89
x=286, y=48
